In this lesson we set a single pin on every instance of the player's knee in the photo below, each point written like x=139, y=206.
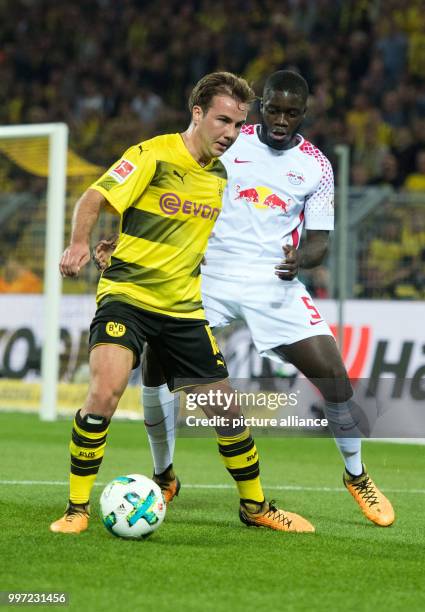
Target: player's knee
x=337, y=390
x=335, y=371
x=334, y=383
x=233, y=413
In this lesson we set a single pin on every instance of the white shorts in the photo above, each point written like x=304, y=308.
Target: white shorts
x=276, y=312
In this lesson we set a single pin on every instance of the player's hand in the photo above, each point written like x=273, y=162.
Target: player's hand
x=73, y=259
x=288, y=267
x=102, y=252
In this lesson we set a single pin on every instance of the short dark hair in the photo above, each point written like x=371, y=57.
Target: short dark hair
x=287, y=80
x=220, y=84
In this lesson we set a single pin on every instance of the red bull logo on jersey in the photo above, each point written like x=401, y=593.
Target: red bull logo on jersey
x=262, y=197
x=170, y=204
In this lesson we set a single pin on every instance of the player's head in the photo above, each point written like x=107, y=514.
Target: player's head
x=283, y=108
x=219, y=104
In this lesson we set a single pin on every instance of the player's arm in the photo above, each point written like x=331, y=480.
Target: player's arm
x=319, y=220
x=84, y=219
x=310, y=255
x=122, y=185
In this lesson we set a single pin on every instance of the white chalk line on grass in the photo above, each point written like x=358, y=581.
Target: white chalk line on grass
x=62, y=483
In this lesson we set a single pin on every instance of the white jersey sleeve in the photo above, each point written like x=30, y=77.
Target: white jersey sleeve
x=319, y=205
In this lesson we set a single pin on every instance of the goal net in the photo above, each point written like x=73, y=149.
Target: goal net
x=44, y=319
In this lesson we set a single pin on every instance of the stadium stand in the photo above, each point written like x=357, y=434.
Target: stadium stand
x=113, y=74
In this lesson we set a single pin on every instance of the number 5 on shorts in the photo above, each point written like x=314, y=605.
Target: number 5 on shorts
x=314, y=313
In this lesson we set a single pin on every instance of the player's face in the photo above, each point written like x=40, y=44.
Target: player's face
x=219, y=127
x=282, y=113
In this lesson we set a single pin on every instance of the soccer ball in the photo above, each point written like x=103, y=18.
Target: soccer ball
x=132, y=506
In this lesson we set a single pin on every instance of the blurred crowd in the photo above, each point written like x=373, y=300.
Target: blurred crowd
x=116, y=71
x=120, y=72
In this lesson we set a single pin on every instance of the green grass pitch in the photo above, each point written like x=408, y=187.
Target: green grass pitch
x=203, y=558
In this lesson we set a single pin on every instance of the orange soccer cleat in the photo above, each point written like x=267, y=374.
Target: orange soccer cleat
x=75, y=519
x=374, y=505
x=274, y=518
x=170, y=488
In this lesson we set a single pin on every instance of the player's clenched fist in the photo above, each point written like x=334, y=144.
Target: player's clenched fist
x=73, y=259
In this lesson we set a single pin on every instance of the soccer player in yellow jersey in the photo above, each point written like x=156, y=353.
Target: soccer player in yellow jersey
x=167, y=191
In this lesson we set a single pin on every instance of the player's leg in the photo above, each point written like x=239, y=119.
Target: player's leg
x=192, y=361
x=116, y=342
x=110, y=367
x=319, y=360
x=240, y=457
x=161, y=409
x=285, y=322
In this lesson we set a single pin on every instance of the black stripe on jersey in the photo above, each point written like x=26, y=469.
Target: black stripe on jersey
x=170, y=177
x=107, y=183
x=238, y=448
x=120, y=270
x=155, y=228
x=197, y=271
x=218, y=169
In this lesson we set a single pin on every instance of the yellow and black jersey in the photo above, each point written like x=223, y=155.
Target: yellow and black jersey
x=168, y=205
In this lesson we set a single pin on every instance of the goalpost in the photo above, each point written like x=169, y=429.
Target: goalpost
x=57, y=134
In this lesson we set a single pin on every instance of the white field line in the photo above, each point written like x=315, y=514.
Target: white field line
x=63, y=483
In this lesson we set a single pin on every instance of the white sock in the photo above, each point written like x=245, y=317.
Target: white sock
x=161, y=410
x=341, y=421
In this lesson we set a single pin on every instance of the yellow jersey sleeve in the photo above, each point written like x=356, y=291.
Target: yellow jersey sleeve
x=126, y=180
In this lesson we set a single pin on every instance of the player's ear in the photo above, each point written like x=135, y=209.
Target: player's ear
x=197, y=114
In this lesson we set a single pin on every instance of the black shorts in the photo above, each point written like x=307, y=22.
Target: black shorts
x=186, y=348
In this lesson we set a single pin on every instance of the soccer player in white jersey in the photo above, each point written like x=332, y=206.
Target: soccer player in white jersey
x=278, y=183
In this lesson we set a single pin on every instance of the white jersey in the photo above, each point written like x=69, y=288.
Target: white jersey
x=270, y=196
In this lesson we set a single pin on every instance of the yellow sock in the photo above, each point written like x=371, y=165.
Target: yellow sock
x=87, y=449
x=241, y=460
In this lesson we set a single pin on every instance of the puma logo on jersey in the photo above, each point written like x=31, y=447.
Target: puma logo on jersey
x=181, y=176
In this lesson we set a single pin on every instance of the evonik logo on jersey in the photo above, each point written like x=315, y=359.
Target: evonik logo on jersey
x=171, y=204
x=262, y=197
